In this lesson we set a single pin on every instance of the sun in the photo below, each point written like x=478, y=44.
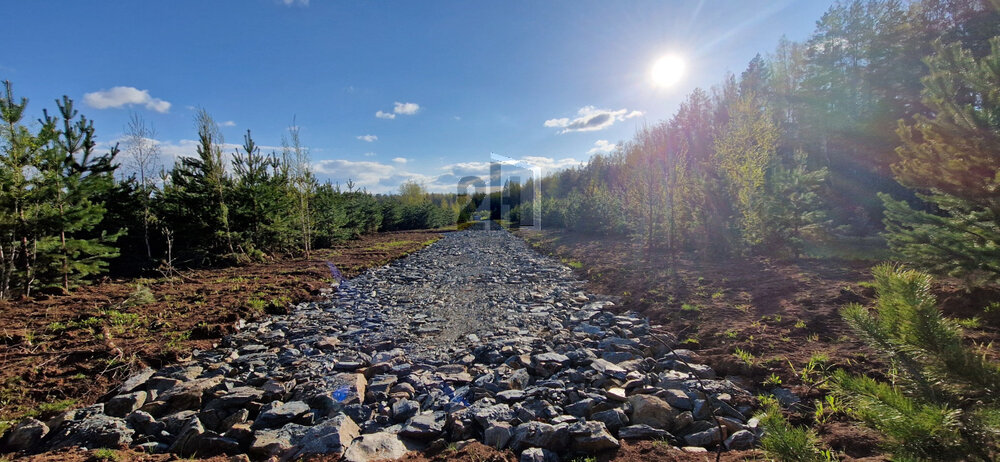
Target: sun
x=668, y=70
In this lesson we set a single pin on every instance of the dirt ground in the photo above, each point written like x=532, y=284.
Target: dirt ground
x=68, y=351
x=761, y=322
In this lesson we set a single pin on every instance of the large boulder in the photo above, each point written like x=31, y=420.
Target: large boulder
x=652, y=411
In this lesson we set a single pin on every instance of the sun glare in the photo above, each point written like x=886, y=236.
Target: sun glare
x=668, y=70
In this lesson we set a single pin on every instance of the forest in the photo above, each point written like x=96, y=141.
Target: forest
x=69, y=213
x=882, y=125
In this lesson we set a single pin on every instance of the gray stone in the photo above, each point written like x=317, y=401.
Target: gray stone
x=678, y=399
x=538, y=455
x=280, y=414
x=591, y=437
x=376, y=446
x=508, y=396
x=423, y=427
x=123, y=405
x=136, y=380
x=608, y=368
x=491, y=415
x=613, y=419
x=519, y=380
x=540, y=435
x=330, y=437
x=404, y=409
x=705, y=438
x=279, y=443
x=740, y=440
x=97, y=431
x=643, y=432
x=546, y=364
x=652, y=411
x=25, y=435
x=237, y=397
x=189, y=439
x=188, y=395
x=498, y=435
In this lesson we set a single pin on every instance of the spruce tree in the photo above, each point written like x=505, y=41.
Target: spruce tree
x=953, y=159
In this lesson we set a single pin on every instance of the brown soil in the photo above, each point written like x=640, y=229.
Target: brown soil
x=781, y=312
x=67, y=351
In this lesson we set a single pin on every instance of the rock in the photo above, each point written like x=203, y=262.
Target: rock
x=237, y=397
x=455, y=373
x=492, y=415
x=508, y=396
x=344, y=389
x=616, y=394
x=376, y=446
x=331, y=437
x=678, y=399
x=652, y=411
x=280, y=414
x=278, y=443
x=404, y=409
x=136, y=380
x=144, y=423
x=123, y=405
x=423, y=427
x=97, y=431
x=709, y=437
x=188, y=395
x=613, y=419
x=25, y=435
x=188, y=441
x=591, y=437
x=519, y=380
x=546, y=364
x=608, y=368
x=643, y=432
x=497, y=436
x=740, y=440
x=538, y=455
x=540, y=435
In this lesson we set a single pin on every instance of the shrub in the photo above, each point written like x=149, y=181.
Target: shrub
x=942, y=402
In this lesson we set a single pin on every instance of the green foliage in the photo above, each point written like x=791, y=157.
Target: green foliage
x=952, y=157
x=784, y=441
x=51, y=185
x=944, y=397
x=106, y=455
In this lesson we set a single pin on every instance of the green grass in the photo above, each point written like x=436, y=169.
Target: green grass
x=690, y=308
x=107, y=455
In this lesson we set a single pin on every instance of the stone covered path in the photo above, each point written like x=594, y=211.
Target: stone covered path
x=476, y=337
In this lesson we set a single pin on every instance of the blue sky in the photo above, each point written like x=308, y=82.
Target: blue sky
x=385, y=91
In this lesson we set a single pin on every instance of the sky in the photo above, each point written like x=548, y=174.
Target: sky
x=387, y=91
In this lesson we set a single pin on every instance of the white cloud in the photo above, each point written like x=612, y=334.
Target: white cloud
x=601, y=146
x=118, y=97
x=406, y=108
x=400, y=160
x=368, y=138
x=591, y=119
x=400, y=109
x=295, y=2
x=369, y=154
x=228, y=123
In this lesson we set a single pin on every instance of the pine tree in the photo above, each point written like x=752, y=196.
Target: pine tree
x=942, y=403
x=73, y=177
x=952, y=157
x=795, y=207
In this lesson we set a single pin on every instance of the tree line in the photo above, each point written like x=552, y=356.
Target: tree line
x=884, y=122
x=69, y=213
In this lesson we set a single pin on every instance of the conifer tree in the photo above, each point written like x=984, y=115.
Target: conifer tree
x=74, y=177
x=942, y=403
x=953, y=160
